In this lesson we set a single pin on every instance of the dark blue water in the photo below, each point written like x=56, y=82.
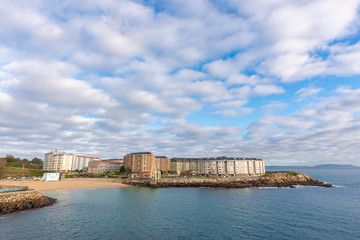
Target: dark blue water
x=198, y=213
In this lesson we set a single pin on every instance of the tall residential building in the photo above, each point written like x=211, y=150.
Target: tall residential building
x=80, y=162
x=100, y=167
x=58, y=161
x=140, y=162
x=162, y=164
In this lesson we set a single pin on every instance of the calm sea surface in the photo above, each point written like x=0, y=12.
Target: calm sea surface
x=198, y=213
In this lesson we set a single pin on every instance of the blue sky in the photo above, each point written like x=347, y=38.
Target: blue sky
x=272, y=79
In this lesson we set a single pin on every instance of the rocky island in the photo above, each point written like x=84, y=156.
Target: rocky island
x=279, y=179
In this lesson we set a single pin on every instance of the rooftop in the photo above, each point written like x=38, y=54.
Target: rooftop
x=138, y=153
x=223, y=158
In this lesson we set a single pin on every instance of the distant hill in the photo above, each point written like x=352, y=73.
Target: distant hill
x=336, y=166
x=318, y=167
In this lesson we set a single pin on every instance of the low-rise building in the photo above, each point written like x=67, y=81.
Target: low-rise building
x=101, y=167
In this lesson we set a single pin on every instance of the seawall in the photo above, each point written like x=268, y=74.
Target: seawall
x=92, y=179
x=23, y=200
x=271, y=180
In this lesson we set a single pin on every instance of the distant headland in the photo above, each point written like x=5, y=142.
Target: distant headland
x=317, y=167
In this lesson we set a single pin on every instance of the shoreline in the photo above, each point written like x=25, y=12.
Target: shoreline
x=278, y=180
x=58, y=186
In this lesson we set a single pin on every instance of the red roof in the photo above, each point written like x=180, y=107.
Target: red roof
x=109, y=162
x=88, y=157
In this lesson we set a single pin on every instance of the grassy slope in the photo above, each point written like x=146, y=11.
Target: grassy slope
x=19, y=172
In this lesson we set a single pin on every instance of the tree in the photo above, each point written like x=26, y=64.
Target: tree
x=25, y=160
x=10, y=158
x=122, y=169
x=128, y=169
x=36, y=160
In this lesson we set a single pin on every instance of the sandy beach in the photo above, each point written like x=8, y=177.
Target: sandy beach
x=43, y=186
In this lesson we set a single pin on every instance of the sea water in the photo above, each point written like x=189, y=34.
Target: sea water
x=197, y=213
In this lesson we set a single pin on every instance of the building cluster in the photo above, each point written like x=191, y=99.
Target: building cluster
x=60, y=161
x=219, y=166
x=145, y=163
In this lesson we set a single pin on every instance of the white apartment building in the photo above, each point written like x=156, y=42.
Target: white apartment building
x=231, y=166
x=80, y=162
x=58, y=161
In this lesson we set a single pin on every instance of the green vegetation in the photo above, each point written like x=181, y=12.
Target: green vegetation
x=292, y=173
x=11, y=161
x=16, y=167
x=125, y=170
x=19, y=172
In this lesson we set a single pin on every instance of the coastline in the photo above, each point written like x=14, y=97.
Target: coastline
x=55, y=186
x=289, y=179
x=268, y=180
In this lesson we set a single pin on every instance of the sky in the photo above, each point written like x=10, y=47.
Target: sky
x=275, y=79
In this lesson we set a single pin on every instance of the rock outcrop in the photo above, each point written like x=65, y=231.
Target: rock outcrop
x=23, y=200
x=269, y=180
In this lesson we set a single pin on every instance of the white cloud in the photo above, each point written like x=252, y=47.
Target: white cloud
x=110, y=77
x=307, y=92
x=232, y=108
x=265, y=90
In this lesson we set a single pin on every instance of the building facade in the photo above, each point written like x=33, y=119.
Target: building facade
x=219, y=166
x=140, y=162
x=58, y=161
x=80, y=162
x=101, y=167
x=178, y=165
x=162, y=164
x=231, y=166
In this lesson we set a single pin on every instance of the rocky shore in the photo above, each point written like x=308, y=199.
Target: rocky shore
x=23, y=200
x=290, y=179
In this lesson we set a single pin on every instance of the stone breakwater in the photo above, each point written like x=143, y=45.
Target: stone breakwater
x=269, y=180
x=23, y=200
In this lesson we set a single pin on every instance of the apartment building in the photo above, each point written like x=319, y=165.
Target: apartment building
x=162, y=164
x=219, y=166
x=184, y=164
x=80, y=162
x=140, y=162
x=58, y=161
x=101, y=167
x=231, y=166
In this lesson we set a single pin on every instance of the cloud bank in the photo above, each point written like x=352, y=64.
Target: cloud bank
x=275, y=79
